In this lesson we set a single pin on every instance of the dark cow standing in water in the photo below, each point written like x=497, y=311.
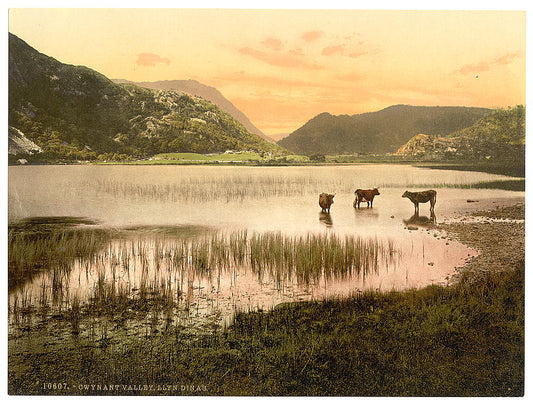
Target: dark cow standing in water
x=365, y=196
x=422, y=197
x=325, y=201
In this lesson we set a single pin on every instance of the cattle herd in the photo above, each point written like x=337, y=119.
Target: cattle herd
x=367, y=196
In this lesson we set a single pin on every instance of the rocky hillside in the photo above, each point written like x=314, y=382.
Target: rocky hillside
x=195, y=88
x=76, y=113
x=500, y=135
x=377, y=132
x=18, y=144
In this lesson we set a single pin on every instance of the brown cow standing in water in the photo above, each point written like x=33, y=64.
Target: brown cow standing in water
x=422, y=197
x=365, y=196
x=325, y=201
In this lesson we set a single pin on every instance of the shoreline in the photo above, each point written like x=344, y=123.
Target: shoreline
x=419, y=342
x=501, y=244
x=503, y=168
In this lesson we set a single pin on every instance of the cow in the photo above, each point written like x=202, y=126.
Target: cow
x=422, y=197
x=365, y=196
x=325, y=201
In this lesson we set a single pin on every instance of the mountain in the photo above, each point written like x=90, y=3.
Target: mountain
x=19, y=144
x=75, y=113
x=278, y=136
x=377, y=132
x=499, y=135
x=195, y=88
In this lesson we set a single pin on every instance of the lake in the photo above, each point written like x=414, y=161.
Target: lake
x=217, y=239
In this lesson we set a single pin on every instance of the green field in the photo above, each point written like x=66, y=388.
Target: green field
x=241, y=156
x=220, y=158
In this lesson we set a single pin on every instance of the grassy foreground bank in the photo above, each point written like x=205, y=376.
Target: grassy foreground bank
x=463, y=340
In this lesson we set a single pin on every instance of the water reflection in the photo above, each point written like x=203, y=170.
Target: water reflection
x=264, y=198
x=325, y=218
x=176, y=204
x=215, y=273
x=366, y=213
x=203, y=273
x=43, y=244
x=421, y=220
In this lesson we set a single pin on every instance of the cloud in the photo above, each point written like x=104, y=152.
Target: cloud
x=341, y=50
x=272, y=43
x=296, y=51
x=357, y=54
x=310, y=36
x=333, y=50
x=268, y=82
x=487, y=65
x=288, y=60
x=471, y=68
x=148, y=59
x=506, y=59
x=350, y=77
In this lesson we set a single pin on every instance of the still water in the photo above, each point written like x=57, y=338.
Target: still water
x=258, y=203
x=258, y=198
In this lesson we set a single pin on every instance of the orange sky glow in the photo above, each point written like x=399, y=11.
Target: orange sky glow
x=283, y=67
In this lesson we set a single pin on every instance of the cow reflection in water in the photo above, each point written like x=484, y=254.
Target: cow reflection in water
x=421, y=220
x=325, y=218
x=366, y=212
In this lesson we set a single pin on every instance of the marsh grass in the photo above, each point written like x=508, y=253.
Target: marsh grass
x=461, y=340
x=31, y=252
x=514, y=168
x=142, y=273
x=236, y=187
x=509, y=185
x=200, y=189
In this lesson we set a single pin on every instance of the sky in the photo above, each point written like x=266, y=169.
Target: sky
x=283, y=67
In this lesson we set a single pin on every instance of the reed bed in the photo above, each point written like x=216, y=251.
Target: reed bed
x=31, y=252
x=237, y=187
x=150, y=274
x=201, y=189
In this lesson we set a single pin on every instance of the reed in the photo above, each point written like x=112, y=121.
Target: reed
x=32, y=251
x=138, y=276
x=163, y=269
x=230, y=186
x=75, y=312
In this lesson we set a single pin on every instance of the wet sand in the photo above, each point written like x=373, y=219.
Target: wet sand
x=499, y=237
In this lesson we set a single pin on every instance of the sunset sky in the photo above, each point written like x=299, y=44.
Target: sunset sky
x=282, y=67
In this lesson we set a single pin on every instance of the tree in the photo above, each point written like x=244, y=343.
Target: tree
x=317, y=157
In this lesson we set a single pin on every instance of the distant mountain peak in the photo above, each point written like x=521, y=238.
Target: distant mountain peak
x=209, y=93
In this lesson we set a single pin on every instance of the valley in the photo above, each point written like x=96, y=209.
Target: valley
x=160, y=243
